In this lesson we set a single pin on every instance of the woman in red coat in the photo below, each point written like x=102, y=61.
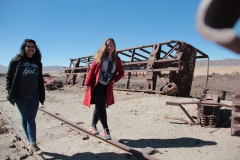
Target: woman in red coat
x=105, y=70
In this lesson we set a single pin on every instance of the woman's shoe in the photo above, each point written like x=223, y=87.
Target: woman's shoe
x=33, y=149
x=93, y=130
x=106, y=135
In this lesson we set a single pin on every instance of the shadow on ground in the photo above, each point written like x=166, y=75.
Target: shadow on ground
x=88, y=156
x=167, y=143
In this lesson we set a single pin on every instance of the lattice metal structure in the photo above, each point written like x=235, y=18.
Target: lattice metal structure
x=173, y=59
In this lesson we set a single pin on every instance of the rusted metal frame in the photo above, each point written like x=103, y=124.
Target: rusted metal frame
x=127, y=49
x=180, y=119
x=88, y=67
x=179, y=67
x=133, y=57
x=71, y=62
x=203, y=54
x=135, y=152
x=71, y=69
x=171, y=46
x=86, y=60
x=76, y=73
x=150, y=75
x=128, y=80
x=82, y=57
x=141, y=63
x=79, y=68
x=166, y=65
x=150, y=45
x=156, y=62
x=124, y=54
x=176, y=45
x=134, y=63
x=184, y=111
x=200, y=103
x=74, y=76
x=172, y=64
x=166, y=53
x=138, y=54
x=129, y=73
x=157, y=70
x=144, y=50
x=19, y=134
x=129, y=56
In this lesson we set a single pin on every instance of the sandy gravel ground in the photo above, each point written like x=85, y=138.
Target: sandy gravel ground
x=137, y=118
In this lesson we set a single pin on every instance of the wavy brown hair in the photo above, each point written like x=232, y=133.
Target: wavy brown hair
x=103, y=53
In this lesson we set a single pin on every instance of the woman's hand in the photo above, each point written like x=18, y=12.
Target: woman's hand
x=86, y=88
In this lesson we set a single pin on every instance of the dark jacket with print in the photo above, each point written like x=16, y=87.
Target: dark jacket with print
x=12, y=80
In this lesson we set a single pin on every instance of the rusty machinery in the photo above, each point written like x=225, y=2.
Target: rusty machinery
x=209, y=112
x=51, y=84
x=174, y=60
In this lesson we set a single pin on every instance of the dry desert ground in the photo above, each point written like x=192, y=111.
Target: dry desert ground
x=136, y=117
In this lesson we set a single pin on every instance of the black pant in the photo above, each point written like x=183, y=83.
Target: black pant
x=100, y=113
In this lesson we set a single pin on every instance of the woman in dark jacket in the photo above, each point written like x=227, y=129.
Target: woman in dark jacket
x=25, y=86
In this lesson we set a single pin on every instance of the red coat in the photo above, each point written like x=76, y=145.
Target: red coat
x=92, y=80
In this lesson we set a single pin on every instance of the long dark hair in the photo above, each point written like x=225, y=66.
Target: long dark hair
x=37, y=55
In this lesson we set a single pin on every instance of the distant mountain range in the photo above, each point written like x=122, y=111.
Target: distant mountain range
x=46, y=69
x=201, y=63
x=215, y=63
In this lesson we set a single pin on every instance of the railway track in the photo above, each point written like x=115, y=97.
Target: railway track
x=20, y=137
x=142, y=154
x=145, y=154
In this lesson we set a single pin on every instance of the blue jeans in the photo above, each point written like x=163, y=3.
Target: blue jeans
x=28, y=107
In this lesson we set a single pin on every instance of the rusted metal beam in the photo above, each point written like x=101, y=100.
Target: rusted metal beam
x=19, y=134
x=115, y=143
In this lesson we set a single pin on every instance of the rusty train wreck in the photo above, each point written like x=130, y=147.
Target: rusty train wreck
x=173, y=62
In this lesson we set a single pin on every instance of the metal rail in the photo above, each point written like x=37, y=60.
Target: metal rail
x=113, y=142
x=19, y=134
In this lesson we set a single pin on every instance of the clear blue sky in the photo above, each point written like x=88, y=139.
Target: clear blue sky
x=66, y=29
